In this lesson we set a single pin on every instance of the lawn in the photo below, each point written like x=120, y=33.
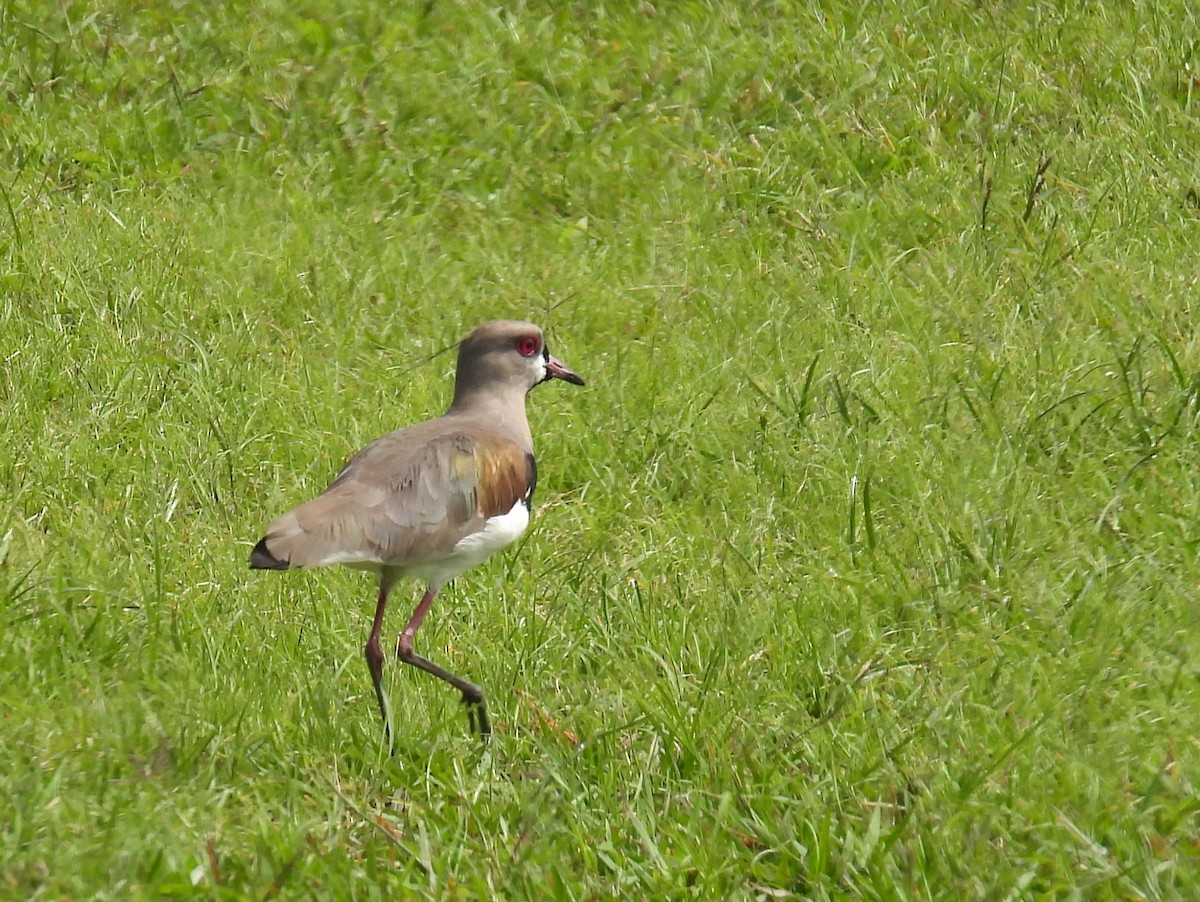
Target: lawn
x=864, y=566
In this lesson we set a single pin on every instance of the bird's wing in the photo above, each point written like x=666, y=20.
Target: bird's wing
x=404, y=499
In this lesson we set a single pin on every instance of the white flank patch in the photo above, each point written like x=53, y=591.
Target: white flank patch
x=498, y=532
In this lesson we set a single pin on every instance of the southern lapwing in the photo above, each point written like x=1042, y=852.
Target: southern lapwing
x=432, y=500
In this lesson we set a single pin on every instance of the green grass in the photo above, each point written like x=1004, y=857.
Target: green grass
x=865, y=565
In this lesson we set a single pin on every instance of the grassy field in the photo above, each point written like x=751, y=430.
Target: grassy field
x=865, y=565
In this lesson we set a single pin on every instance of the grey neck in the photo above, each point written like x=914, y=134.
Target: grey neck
x=502, y=412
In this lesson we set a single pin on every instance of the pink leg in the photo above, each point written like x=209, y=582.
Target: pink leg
x=472, y=695
x=414, y=622
x=374, y=655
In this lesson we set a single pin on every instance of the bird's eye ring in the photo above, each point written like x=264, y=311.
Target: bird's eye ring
x=527, y=345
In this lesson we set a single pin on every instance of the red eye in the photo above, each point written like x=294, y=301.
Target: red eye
x=527, y=345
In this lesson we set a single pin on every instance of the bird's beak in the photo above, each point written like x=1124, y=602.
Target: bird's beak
x=555, y=369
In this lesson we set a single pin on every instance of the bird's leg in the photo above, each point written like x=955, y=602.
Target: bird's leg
x=472, y=695
x=374, y=655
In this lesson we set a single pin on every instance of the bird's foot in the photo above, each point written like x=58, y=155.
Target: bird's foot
x=477, y=715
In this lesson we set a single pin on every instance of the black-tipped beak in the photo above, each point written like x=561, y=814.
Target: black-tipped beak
x=555, y=369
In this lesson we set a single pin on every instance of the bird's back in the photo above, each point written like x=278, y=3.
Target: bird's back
x=406, y=499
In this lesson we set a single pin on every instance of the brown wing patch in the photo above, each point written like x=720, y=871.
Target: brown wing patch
x=504, y=477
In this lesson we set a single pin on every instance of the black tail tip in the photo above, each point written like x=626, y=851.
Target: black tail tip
x=262, y=559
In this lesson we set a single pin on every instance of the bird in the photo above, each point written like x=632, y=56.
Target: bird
x=434, y=499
